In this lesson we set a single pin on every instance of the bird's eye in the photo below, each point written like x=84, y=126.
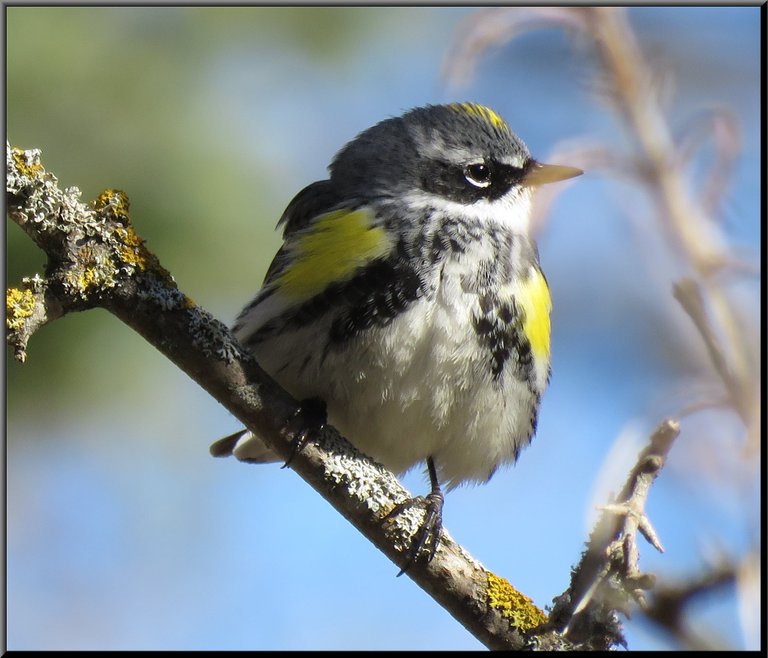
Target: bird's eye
x=478, y=173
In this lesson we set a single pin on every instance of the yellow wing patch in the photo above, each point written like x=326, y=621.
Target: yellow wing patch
x=331, y=249
x=481, y=112
x=533, y=296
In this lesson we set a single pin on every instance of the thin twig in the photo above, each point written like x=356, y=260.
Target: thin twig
x=688, y=293
x=608, y=576
x=695, y=234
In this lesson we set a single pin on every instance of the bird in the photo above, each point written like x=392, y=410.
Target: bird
x=407, y=304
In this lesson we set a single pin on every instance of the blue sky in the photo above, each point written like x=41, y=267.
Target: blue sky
x=123, y=533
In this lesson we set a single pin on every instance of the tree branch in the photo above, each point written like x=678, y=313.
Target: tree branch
x=608, y=577
x=658, y=164
x=670, y=603
x=95, y=259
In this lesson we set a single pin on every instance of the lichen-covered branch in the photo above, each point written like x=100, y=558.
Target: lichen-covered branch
x=28, y=308
x=96, y=259
x=608, y=577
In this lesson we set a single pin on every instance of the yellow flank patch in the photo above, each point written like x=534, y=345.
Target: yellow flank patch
x=533, y=296
x=330, y=250
x=481, y=112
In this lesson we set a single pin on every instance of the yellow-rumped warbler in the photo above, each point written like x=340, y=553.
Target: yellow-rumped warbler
x=408, y=297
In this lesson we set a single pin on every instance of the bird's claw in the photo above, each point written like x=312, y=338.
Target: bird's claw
x=426, y=540
x=306, y=425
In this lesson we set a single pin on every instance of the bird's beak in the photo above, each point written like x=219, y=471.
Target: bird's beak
x=540, y=174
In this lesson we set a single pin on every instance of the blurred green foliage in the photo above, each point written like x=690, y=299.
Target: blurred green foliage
x=121, y=97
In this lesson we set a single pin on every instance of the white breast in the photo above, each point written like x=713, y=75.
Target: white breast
x=419, y=387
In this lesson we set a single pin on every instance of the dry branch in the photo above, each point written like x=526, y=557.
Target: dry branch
x=658, y=164
x=96, y=259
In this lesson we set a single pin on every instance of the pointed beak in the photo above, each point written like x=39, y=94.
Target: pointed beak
x=541, y=174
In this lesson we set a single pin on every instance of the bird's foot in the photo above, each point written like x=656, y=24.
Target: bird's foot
x=426, y=539
x=306, y=425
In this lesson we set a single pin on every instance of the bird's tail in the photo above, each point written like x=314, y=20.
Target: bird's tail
x=245, y=446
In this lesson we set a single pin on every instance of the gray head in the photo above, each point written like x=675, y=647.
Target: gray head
x=463, y=152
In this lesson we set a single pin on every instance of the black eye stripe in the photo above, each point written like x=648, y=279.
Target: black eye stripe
x=470, y=181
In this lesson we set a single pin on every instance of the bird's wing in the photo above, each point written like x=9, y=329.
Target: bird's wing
x=335, y=252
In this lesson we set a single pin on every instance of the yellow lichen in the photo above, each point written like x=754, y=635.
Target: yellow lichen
x=19, y=305
x=128, y=247
x=513, y=605
x=114, y=202
x=131, y=249
x=26, y=167
x=93, y=270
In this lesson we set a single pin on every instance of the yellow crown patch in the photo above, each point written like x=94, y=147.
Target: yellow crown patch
x=481, y=112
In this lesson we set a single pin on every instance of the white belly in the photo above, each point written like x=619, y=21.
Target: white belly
x=420, y=387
